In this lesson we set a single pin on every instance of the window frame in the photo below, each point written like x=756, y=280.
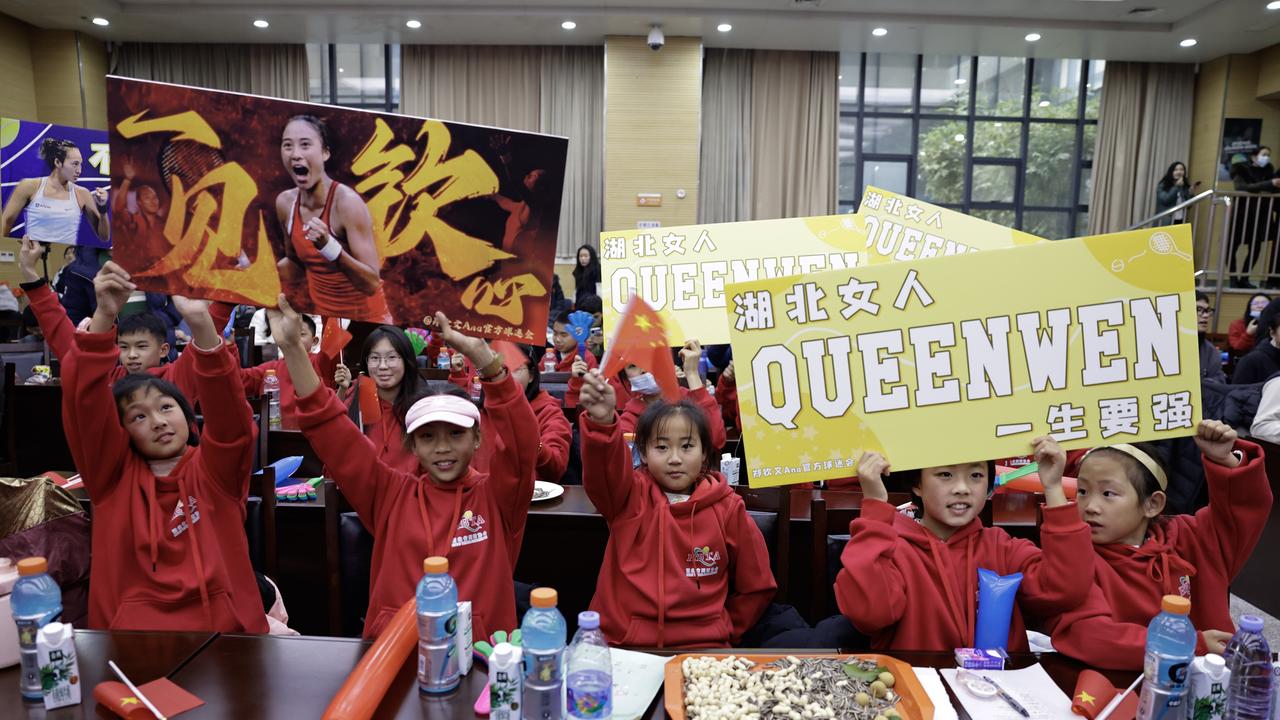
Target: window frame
x=1073, y=206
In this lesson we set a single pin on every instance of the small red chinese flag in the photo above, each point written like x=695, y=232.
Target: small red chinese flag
x=1094, y=692
x=370, y=409
x=334, y=338
x=641, y=339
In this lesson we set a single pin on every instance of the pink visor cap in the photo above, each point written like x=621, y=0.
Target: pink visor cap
x=441, y=408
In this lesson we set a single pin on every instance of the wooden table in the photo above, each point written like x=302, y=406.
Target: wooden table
x=245, y=676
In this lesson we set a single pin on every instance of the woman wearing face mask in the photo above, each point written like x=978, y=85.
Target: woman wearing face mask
x=1173, y=189
x=1254, y=218
x=644, y=392
x=1243, y=333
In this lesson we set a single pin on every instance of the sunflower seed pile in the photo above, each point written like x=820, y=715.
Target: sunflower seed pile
x=788, y=689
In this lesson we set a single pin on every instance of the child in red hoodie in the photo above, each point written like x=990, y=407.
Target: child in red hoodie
x=392, y=367
x=685, y=565
x=1141, y=555
x=554, y=431
x=913, y=585
x=324, y=366
x=568, y=355
x=450, y=510
x=169, y=549
x=644, y=392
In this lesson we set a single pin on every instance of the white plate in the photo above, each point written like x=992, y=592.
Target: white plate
x=546, y=491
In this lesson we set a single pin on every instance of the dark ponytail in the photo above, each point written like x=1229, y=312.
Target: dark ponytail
x=53, y=151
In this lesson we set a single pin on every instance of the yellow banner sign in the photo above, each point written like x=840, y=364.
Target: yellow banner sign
x=967, y=358
x=682, y=271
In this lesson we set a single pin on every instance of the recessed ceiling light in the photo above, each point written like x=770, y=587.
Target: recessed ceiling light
x=342, y=69
x=839, y=77
x=959, y=81
x=260, y=23
x=724, y=27
x=1044, y=103
x=101, y=21
x=880, y=32
x=1189, y=42
x=1032, y=37
x=1273, y=5
x=413, y=24
x=568, y=24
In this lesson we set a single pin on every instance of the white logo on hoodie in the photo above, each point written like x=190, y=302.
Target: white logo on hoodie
x=178, y=512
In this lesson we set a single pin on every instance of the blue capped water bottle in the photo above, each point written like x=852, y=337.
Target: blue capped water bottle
x=1171, y=647
x=36, y=602
x=542, y=634
x=437, y=602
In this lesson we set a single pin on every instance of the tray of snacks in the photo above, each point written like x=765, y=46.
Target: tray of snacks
x=705, y=686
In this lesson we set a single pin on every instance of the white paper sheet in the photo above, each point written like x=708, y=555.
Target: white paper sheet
x=942, y=708
x=1032, y=687
x=637, y=677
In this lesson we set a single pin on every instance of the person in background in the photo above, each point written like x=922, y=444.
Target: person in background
x=644, y=391
x=10, y=311
x=554, y=431
x=324, y=366
x=1242, y=334
x=1264, y=360
x=566, y=347
x=586, y=274
x=1254, y=219
x=393, y=368
x=1210, y=355
x=1173, y=189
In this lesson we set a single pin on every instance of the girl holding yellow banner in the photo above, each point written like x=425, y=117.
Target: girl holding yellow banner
x=913, y=585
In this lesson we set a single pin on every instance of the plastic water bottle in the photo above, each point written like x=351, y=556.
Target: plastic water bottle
x=476, y=387
x=549, y=361
x=442, y=360
x=437, y=623
x=37, y=601
x=589, y=672
x=271, y=388
x=9, y=655
x=1171, y=647
x=542, y=635
x=1249, y=660
x=630, y=439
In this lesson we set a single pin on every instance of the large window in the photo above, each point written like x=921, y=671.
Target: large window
x=1006, y=139
x=361, y=76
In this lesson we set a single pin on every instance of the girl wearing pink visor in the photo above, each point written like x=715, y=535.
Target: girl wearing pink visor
x=447, y=508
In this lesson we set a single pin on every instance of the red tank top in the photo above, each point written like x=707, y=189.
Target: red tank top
x=332, y=293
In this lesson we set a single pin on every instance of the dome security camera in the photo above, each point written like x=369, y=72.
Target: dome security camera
x=656, y=38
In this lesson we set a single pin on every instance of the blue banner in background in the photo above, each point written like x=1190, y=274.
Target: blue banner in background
x=20, y=159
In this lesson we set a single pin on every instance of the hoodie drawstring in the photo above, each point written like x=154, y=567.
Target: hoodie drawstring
x=195, y=548
x=426, y=518
x=662, y=575
x=149, y=491
x=962, y=625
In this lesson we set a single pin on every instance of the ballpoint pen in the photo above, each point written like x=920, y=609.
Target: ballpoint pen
x=1005, y=696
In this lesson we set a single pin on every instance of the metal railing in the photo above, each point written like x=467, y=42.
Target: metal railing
x=1234, y=235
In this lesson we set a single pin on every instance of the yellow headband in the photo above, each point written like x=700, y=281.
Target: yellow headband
x=1146, y=460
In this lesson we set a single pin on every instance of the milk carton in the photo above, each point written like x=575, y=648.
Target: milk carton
x=59, y=670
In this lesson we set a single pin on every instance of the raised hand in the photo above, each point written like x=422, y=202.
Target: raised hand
x=579, y=368
x=872, y=469
x=112, y=287
x=1217, y=440
x=598, y=397
x=474, y=349
x=28, y=255
x=285, y=325
x=1052, y=461
x=342, y=377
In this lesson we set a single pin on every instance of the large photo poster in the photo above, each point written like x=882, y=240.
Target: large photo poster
x=365, y=215
x=20, y=143
x=929, y=364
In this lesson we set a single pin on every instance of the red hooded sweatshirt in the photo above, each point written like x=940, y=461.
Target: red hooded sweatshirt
x=60, y=334
x=554, y=436
x=700, y=397
x=151, y=569
x=475, y=521
x=1194, y=556
x=727, y=399
x=710, y=580
x=910, y=590
x=575, y=383
x=386, y=433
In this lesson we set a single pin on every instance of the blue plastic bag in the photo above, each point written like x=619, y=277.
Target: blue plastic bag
x=996, y=594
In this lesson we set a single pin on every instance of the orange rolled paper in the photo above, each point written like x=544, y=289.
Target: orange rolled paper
x=365, y=687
